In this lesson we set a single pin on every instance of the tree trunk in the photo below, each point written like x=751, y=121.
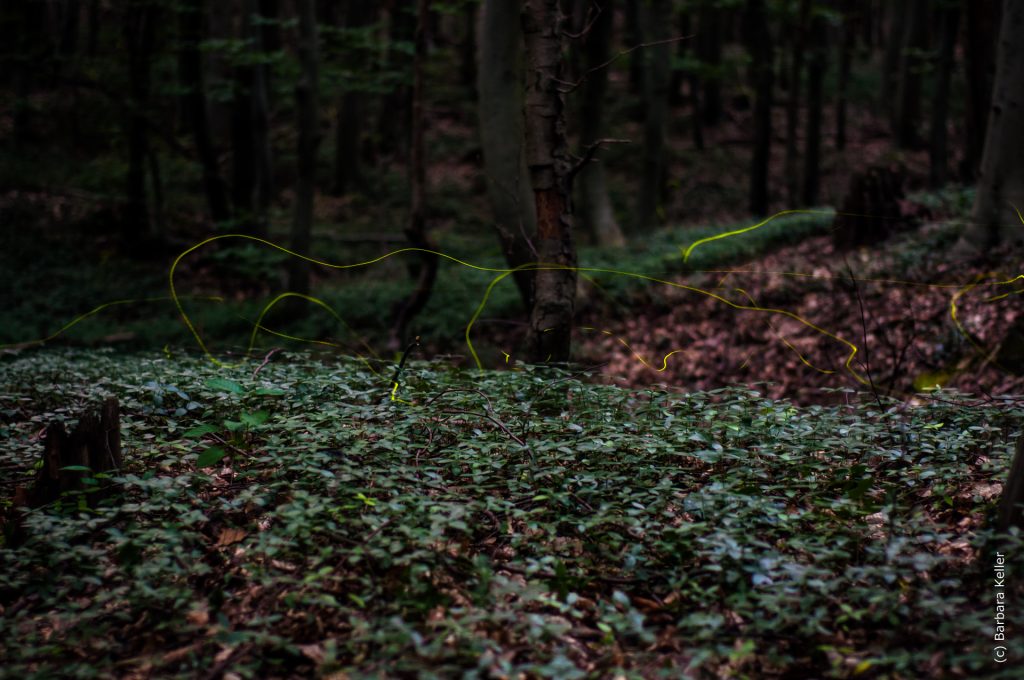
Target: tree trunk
x=938, y=146
x=908, y=98
x=547, y=158
x=654, y=22
x=251, y=132
x=982, y=19
x=190, y=28
x=709, y=52
x=351, y=116
x=416, y=231
x=850, y=17
x=306, y=93
x=762, y=52
x=1000, y=193
x=139, y=30
x=393, y=122
x=815, y=106
x=500, y=92
x=893, y=55
x=595, y=207
x=796, y=75
x=467, y=48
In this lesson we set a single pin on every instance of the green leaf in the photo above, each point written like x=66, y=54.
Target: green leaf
x=76, y=468
x=225, y=385
x=210, y=456
x=200, y=430
x=255, y=418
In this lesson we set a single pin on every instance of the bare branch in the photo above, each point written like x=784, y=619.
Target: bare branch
x=572, y=87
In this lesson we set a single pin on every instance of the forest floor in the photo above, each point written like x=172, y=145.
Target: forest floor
x=300, y=519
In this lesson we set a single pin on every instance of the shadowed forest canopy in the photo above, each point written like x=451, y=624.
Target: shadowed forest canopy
x=511, y=338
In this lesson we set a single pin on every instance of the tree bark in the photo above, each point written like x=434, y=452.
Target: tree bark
x=548, y=161
x=655, y=24
x=351, y=116
x=938, y=144
x=596, y=212
x=306, y=94
x=190, y=27
x=1000, y=193
x=709, y=51
x=500, y=108
x=796, y=75
x=1011, y=504
x=908, y=98
x=762, y=52
x=981, y=36
x=251, y=132
x=416, y=231
x=139, y=29
x=848, y=39
x=893, y=55
x=815, y=106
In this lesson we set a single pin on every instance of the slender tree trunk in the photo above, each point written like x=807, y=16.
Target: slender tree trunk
x=306, y=94
x=762, y=52
x=634, y=36
x=139, y=29
x=416, y=231
x=595, y=207
x=548, y=161
x=654, y=22
x=394, y=119
x=815, y=107
x=351, y=117
x=467, y=48
x=938, y=146
x=190, y=28
x=999, y=201
x=251, y=133
x=796, y=75
x=982, y=19
x=848, y=40
x=908, y=98
x=709, y=51
x=894, y=54
x=501, y=101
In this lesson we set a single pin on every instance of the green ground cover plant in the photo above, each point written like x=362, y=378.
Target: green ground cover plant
x=298, y=521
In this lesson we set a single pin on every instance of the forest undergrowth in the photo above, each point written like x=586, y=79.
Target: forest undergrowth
x=293, y=519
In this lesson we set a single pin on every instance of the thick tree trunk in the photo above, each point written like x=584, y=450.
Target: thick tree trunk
x=938, y=146
x=981, y=36
x=306, y=94
x=655, y=24
x=908, y=99
x=416, y=231
x=815, y=106
x=190, y=27
x=796, y=75
x=1011, y=504
x=500, y=92
x=595, y=207
x=762, y=52
x=548, y=161
x=1000, y=193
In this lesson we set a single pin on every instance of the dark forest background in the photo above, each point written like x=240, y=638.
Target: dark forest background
x=347, y=130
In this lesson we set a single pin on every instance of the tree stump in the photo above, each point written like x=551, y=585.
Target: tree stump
x=871, y=208
x=1011, y=505
x=72, y=463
